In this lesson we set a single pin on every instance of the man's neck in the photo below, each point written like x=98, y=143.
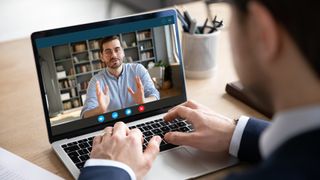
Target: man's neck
x=295, y=87
x=115, y=72
x=291, y=81
x=295, y=98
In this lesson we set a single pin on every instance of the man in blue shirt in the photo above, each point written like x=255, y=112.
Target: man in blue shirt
x=119, y=85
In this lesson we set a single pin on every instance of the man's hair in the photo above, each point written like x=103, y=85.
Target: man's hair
x=301, y=21
x=105, y=40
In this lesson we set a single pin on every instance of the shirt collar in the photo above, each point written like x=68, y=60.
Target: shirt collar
x=112, y=76
x=287, y=125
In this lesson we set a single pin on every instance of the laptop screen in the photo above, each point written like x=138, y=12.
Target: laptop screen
x=116, y=70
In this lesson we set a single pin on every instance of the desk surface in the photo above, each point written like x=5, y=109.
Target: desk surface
x=23, y=129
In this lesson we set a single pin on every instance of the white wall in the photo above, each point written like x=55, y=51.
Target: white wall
x=19, y=18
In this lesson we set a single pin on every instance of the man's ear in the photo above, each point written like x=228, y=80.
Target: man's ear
x=264, y=32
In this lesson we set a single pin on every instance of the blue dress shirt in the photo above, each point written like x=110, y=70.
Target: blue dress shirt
x=118, y=87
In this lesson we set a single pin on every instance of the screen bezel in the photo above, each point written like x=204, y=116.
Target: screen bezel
x=164, y=104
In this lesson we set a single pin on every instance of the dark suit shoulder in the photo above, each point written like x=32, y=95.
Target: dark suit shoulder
x=103, y=172
x=298, y=158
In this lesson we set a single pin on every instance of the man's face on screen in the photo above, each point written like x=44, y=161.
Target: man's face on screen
x=112, y=54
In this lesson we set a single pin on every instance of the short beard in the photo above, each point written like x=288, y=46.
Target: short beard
x=116, y=66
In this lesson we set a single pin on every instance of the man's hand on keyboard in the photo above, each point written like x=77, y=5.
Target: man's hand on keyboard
x=212, y=131
x=124, y=145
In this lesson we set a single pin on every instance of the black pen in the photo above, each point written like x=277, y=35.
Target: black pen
x=214, y=21
x=187, y=17
x=185, y=25
x=212, y=30
x=204, y=25
x=220, y=24
x=208, y=29
x=215, y=27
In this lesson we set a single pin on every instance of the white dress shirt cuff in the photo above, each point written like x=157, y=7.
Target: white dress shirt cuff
x=237, y=135
x=104, y=162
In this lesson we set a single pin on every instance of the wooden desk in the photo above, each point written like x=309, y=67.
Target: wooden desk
x=23, y=129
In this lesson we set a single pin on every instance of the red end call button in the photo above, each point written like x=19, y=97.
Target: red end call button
x=141, y=108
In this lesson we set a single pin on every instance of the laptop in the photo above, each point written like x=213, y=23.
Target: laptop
x=68, y=58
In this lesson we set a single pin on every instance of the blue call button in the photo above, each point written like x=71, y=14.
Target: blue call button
x=114, y=115
x=128, y=112
x=100, y=118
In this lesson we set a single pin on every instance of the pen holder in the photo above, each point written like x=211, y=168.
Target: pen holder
x=199, y=52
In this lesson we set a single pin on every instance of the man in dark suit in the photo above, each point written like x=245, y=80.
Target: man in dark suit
x=277, y=58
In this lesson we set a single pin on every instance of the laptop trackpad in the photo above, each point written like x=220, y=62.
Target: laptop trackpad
x=177, y=163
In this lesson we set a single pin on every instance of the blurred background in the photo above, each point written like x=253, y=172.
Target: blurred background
x=19, y=18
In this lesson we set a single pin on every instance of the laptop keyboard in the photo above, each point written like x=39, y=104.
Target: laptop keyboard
x=79, y=151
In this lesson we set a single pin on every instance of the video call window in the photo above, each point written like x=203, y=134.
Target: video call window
x=70, y=72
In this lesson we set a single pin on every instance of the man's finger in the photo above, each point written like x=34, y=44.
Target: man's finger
x=96, y=140
x=137, y=134
x=182, y=104
x=152, y=149
x=130, y=91
x=181, y=112
x=179, y=138
x=141, y=85
x=98, y=88
x=189, y=104
x=108, y=131
x=106, y=89
x=120, y=129
x=138, y=82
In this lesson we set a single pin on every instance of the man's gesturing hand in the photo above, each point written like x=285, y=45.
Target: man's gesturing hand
x=103, y=97
x=124, y=145
x=213, y=132
x=138, y=96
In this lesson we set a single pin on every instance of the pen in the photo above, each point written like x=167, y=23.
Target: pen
x=204, y=25
x=220, y=24
x=216, y=25
x=208, y=29
x=214, y=21
x=187, y=17
x=185, y=25
x=212, y=30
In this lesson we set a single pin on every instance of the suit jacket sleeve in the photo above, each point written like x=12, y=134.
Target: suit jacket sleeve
x=104, y=172
x=249, y=145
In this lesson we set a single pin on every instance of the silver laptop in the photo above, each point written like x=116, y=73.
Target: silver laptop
x=67, y=59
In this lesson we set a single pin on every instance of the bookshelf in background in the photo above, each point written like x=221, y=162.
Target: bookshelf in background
x=139, y=46
x=76, y=63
